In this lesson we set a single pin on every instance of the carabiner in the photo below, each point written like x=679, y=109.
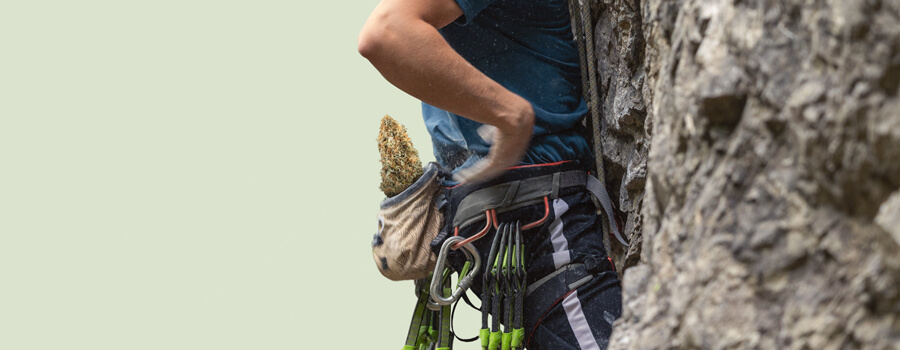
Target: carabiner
x=464, y=281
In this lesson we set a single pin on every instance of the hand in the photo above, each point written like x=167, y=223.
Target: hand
x=402, y=41
x=508, y=145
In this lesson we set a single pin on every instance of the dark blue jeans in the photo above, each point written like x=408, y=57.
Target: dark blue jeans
x=558, y=317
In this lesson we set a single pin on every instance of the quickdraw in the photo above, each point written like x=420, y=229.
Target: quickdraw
x=518, y=332
x=430, y=327
x=503, y=292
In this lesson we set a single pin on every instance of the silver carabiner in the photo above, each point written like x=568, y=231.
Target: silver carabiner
x=464, y=281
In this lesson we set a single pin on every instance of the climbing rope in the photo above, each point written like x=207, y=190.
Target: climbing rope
x=582, y=27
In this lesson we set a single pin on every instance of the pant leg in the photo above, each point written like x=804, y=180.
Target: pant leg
x=581, y=318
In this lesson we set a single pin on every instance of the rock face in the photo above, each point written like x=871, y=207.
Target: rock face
x=620, y=48
x=754, y=148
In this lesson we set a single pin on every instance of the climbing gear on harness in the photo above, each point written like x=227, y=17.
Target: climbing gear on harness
x=519, y=287
x=432, y=321
x=444, y=339
x=486, y=203
x=465, y=279
x=503, y=290
x=487, y=286
x=407, y=223
x=503, y=274
x=496, y=296
x=421, y=320
x=503, y=282
x=429, y=329
x=453, y=312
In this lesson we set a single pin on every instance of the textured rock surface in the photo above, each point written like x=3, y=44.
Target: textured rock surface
x=619, y=43
x=754, y=148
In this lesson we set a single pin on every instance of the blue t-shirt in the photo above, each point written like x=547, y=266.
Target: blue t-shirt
x=527, y=47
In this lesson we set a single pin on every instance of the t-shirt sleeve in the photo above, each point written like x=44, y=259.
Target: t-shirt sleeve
x=470, y=9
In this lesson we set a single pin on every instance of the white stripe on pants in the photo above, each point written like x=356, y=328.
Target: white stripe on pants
x=561, y=255
x=571, y=304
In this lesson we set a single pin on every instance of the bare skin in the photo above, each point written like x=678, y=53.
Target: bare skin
x=401, y=40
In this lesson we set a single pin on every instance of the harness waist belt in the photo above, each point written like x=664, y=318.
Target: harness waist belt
x=520, y=193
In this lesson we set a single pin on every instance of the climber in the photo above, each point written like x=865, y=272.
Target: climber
x=501, y=96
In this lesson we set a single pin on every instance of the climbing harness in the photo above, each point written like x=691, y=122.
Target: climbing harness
x=502, y=274
x=485, y=204
x=504, y=286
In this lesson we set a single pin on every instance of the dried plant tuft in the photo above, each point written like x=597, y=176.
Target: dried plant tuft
x=400, y=164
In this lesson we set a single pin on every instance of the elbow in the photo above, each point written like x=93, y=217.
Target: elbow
x=374, y=38
x=386, y=31
x=369, y=43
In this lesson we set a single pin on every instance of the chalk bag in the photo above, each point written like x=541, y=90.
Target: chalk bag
x=407, y=223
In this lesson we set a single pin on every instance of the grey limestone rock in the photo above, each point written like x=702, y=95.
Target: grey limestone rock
x=753, y=150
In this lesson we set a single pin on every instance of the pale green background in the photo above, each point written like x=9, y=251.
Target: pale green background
x=193, y=175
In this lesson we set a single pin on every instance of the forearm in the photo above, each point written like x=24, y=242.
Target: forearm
x=411, y=54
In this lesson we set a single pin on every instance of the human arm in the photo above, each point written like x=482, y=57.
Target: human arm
x=402, y=41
